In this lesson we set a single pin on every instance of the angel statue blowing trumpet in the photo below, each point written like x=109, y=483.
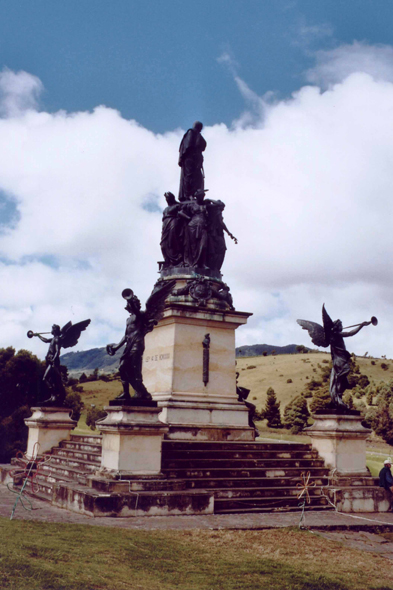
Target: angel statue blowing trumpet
x=332, y=334
x=64, y=337
x=138, y=325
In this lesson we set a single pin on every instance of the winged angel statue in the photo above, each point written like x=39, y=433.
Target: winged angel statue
x=332, y=334
x=138, y=325
x=64, y=337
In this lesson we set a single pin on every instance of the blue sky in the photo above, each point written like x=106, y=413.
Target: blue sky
x=158, y=62
x=296, y=99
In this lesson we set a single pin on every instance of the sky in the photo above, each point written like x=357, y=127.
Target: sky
x=296, y=98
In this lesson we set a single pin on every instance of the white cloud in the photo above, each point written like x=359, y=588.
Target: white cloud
x=19, y=91
x=308, y=194
x=334, y=65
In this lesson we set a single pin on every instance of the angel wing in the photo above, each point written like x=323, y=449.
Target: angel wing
x=70, y=333
x=317, y=333
x=327, y=323
x=156, y=302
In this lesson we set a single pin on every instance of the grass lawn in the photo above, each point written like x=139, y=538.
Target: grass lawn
x=43, y=556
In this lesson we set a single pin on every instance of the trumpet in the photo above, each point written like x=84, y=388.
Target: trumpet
x=30, y=333
x=373, y=321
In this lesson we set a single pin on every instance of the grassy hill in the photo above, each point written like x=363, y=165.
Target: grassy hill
x=259, y=373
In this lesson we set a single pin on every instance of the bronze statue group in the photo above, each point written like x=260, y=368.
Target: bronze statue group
x=192, y=236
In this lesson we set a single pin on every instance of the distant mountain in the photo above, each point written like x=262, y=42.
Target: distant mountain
x=88, y=360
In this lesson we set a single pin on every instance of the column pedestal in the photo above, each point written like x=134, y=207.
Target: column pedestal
x=47, y=427
x=131, y=440
x=195, y=391
x=340, y=440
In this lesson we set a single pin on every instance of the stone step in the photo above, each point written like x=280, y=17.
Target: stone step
x=80, y=446
x=225, y=454
x=65, y=473
x=274, y=492
x=94, y=439
x=279, y=506
x=278, y=503
x=80, y=455
x=287, y=472
x=260, y=482
x=213, y=463
x=234, y=445
x=79, y=464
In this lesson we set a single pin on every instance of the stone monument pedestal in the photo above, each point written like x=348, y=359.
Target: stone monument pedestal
x=195, y=387
x=131, y=440
x=47, y=427
x=340, y=440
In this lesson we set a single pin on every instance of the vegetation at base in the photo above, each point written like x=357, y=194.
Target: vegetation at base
x=93, y=414
x=48, y=556
x=296, y=414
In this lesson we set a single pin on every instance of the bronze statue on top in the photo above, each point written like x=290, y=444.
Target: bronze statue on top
x=138, y=325
x=65, y=337
x=191, y=162
x=332, y=334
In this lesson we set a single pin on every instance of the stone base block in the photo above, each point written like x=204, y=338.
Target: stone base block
x=131, y=440
x=340, y=440
x=209, y=432
x=132, y=504
x=47, y=427
x=360, y=499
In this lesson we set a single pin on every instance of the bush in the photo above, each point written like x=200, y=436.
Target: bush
x=384, y=366
x=251, y=367
x=271, y=413
x=289, y=381
x=74, y=401
x=94, y=414
x=296, y=414
x=83, y=378
x=321, y=400
x=373, y=362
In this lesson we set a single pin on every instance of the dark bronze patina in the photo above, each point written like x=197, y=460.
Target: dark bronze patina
x=138, y=325
x=191, y=162
x=206, y=358
x=331, y=334
x=65, y=337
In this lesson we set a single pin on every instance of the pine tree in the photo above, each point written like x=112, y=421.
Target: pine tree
x=271, y=413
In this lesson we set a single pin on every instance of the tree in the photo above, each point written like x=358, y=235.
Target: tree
x=296, y=414
x=271, y=413
x=20, y=377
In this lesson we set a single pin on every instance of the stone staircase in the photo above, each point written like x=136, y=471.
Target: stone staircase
x=246, y=476
x=73, y=461
x=240, y=476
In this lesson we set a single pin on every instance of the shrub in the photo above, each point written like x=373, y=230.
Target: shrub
x=373, y=362
x=289, y=381
x=296, y=414
x=74, y=401
x=321, y=400
x=251, y=367
x=83, y=378
x=93, y=415
x=384, y=366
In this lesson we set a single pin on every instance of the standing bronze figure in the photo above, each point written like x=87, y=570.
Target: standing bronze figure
x=172, y=232
x=191, y=162
x=65, y=337
x=216, y=228
x=138, y=325
x=195, y=232
x=332, y=334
